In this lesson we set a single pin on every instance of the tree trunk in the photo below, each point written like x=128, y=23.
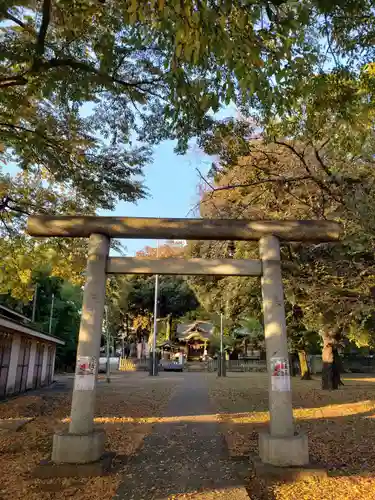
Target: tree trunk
x=331, y=364
x=292, y=365
x=304, y=366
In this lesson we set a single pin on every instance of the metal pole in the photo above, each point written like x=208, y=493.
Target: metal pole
x=221, y=362
x=155, y=325
x=155, y=318
x=51, y=314
x=34, y=303
x=221, y=334
x=108, y=353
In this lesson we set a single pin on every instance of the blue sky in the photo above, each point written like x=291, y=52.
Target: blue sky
x=172, y=181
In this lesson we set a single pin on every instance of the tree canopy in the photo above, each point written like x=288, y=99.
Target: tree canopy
x=131, y=298
x=326, y=285
x=88, y=88
x=85, y=87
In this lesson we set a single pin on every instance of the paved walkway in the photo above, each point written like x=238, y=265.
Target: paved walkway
x=184, y=457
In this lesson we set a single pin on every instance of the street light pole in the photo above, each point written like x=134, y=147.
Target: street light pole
x=220, y=370
x=155, y=325
x=222, y=367
x=51, y=314
x=34, y=303
x=153, y=359
x=108, y=353
x=221, y=334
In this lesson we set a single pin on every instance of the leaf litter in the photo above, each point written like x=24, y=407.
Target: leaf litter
x=21, y=451
x=340, y=426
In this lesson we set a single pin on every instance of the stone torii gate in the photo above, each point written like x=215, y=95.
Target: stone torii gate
x=83, y=443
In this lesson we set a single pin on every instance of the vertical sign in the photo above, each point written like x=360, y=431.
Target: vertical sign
x=85, y=373
x=280, y=377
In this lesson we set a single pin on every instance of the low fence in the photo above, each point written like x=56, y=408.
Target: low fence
x=358, y=364
x=238, y=365
x=350, y=363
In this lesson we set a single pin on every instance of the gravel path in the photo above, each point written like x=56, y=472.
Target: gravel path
x=187, y=458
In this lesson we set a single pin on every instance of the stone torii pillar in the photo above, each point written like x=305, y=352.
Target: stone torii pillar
x=83, y=443
x=281, y=446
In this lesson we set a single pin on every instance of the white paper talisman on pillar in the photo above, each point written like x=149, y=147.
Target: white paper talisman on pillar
x=280, y=376
x=85, y=373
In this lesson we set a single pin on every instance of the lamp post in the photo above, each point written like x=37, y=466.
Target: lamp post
x=108, y=351
x=221, y=367
x=221, y=334
x=51, y=314
x=34, y=303
x=154, y=367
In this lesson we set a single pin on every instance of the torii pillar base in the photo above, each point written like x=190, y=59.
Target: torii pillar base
x=76, y=455
x=78, y=448
x=287, y=451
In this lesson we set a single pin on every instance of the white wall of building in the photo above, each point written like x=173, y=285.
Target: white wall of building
x=30, y=373
x=18, y=333
x=53, y=362
x=16, y=344
x=44, y=365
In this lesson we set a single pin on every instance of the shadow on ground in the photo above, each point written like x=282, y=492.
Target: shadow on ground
x=201, y=442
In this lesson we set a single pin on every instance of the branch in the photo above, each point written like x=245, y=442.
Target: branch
x=72, y=63
x=300, y=200
x=294, y=151
x=329, y=41
x=10, y=232
x=212, y=190
x=251, y=202
x=204, y=179
x=285, y=180
x=324, y=144
x=12, y=81
x=317, y=181
x=46, y=13
x=8, y=15
x=30, y=131
x=17, y=208
x=4, y=203
x=264, y=181
x=321, y=163
x=39, y=64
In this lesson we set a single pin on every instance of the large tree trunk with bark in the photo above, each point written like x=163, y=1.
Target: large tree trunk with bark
x=292, y=364
x=304, y=365
x=331, y=362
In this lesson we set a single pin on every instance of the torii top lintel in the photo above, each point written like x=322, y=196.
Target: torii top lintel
x=182, y=229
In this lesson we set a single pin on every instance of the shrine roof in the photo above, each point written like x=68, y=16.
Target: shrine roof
x=203, y=329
